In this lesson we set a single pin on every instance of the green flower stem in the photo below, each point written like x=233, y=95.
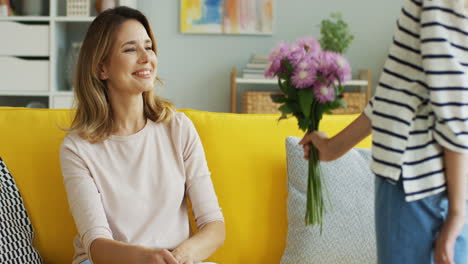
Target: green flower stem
x=315, y=202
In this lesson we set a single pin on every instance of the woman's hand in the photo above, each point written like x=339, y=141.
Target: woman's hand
x=201, y=245
x=110, y=251
x=445, y=242
x=157, y=256
x=183, y=255
x=321, y=141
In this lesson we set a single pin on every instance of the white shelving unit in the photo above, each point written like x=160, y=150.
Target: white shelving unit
x=34, y=54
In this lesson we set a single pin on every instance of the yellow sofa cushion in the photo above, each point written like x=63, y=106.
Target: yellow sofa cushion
x=245, y=153
x=29, y=141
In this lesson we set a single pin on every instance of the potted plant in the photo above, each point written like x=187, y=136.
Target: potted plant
x=336, y=35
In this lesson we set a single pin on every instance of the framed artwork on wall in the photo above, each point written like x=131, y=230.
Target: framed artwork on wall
x=226, y=16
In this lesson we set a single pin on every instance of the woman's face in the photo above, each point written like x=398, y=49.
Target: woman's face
x=131, y=65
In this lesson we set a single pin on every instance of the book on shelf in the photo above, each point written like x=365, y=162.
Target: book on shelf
x=253, y=76
x=257, y=65
x=258, y=61
x=260, y=57
x=253, y=73
x=250, y=70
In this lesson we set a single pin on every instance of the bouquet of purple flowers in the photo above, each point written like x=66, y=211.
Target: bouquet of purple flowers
x=311, y=81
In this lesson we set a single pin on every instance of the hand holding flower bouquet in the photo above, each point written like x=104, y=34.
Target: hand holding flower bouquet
x=311, y=81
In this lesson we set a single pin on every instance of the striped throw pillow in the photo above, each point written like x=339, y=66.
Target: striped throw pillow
x=16, y=231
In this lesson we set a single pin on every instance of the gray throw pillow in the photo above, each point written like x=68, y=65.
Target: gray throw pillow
x=348, y=235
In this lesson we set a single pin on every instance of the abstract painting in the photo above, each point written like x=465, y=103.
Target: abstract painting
x=226, y=16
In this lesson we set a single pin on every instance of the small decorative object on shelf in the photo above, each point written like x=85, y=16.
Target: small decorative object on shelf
x=35, y=104
x=72, y=58
x=102, y=5
x=4, y=8
x=78, y=8
x=31, y=7
x=311, y=83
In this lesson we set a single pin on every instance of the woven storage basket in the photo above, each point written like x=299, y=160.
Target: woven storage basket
x=254, y=102
x=356, y=103
x=78, y=7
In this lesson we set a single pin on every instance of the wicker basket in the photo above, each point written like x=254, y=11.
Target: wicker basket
x=78, y=7
x=356, y=103
x=254, y=102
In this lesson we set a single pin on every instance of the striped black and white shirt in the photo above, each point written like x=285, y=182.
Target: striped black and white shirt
x=421, y=102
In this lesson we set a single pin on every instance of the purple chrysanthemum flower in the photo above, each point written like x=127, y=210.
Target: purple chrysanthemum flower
x=304, y=77
x=273, y=69
x=333, y=67
x=328, y=67
x=307, y=62
x=324, y=93
x=310, y=45
x=277, y=54
x=343, y=69
x=296, y=54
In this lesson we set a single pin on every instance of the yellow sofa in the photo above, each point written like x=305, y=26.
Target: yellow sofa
x=245, y=153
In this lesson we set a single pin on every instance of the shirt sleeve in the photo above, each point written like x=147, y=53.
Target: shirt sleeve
x=444, y=45
x=199, y=186
x=83, y=196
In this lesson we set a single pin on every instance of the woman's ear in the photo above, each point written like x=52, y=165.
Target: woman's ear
x=102, y=72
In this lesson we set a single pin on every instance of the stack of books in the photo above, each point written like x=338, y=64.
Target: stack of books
x=256, y=67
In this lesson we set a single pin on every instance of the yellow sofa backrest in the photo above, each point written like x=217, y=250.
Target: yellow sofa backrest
x=245, y=153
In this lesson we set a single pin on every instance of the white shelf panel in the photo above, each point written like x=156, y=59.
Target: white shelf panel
x=46, y=18
x=73, y=19
x=257, y=81
x=275, y=81
x=356, y=83
x=25, y=18
x=23, y=93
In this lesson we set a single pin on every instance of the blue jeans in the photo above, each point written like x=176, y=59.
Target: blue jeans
x=406, y=230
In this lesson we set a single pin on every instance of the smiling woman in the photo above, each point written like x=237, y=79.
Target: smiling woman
x=129, y=160
x=130, y=68
x=118, y=44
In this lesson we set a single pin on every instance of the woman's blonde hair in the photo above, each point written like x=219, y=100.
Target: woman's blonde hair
x=93, y=120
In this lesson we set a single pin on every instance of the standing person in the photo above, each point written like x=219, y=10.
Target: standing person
x=130, y=161
x=419, y=123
